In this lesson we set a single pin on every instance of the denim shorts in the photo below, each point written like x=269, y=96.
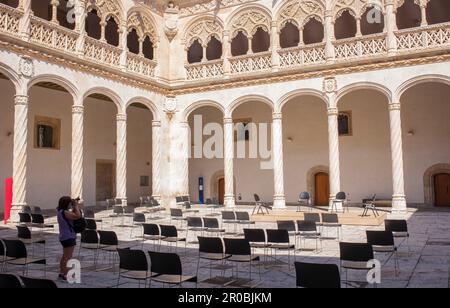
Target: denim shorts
x=69, y=243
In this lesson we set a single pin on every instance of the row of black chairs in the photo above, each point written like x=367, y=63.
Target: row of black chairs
x=9, y=281
x=165, y=268
x=14, y=252
x=99, y=241
x=34, y=220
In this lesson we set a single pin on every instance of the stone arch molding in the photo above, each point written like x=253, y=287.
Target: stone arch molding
x=428, y=181
x=203, y=30
x=66, y=84
x=310, y=180
x=206, y=103
x=300, y=12
x=10, y=74
x=147, y=103
x=355, y=7
x=106, y=9
x=418, y=80
x=249, y=20
x=143, y=23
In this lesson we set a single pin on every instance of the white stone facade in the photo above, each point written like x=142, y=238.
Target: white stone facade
x=392, y=147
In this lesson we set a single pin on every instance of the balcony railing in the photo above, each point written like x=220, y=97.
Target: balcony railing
x=9, y=20
x=210, y=69
x=57, y=38
x=140, y=65
x=304, y=55
x=370, y=45
x=251, y=63
x=52, y=35
x=421, y=38
x=102, y=52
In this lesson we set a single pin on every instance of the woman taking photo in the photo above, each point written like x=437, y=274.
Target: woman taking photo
x=68, y=211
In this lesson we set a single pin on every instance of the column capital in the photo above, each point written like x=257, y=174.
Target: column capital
x=77, y=109
x=328, y=13
x=333, y=111
x=274, y=24
x=156, y=123
x=227, y=120
x=121, y=117
x=184, y=124
x=277, y=116
x=21, y=100
x=394, y=106
x=226, y=33
x=389, y=2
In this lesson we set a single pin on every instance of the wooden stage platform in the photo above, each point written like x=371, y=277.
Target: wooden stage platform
x=352, y=218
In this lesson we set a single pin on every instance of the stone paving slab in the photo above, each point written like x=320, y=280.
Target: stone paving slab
x=424, y=262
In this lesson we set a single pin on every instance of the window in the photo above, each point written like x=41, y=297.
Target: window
x=145, y=181
x=345, y=123
x=242, y=129
x=47, y=133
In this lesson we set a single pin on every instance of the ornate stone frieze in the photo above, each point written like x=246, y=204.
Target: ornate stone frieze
x=210, y=6
x=299, y=12
x=249, y=21
x=203, y=30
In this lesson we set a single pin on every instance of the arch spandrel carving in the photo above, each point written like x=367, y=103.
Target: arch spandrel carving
x=249, y=21
x=203, y=30
x=355, y=7
x=143, y=24
x=299, y=12
x=106, y=9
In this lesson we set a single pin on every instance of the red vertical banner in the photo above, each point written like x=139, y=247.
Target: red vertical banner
x=8, y=198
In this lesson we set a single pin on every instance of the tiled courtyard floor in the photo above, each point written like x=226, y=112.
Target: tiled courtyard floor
x=425, y=263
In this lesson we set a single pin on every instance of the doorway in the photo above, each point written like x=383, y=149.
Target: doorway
x=322, y=189
x=221, y=190
x=442, y=189
x=105, y=180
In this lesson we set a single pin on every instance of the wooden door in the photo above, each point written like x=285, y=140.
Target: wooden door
x=322, y=189
x=221, y=191
x=105, y=180
x=442, y=189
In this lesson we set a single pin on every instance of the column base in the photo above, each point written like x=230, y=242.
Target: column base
x=279, y=202
x=229, y=202
x=15, y=210
x=399, y=204
x=338, y=207
x=123, y=200
x=157, y=198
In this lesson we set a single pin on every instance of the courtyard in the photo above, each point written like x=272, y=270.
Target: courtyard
x=423, y=263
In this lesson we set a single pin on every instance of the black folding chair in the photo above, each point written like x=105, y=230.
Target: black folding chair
x=108, y=243
x=308, y=230
x=90, y=224
x=229, y=218
x=341, y=198
x=89, y=241
x=331, y=221
x=211, y=249
x=152, y=233
x=194, y=224
x=27, y=237
x=240, y=251
x=166, y=268
x=383, y=242
x=369, y=205
x=304, y=200
x=170, y=235
x=9, y=281
x=16, y=254
x=355, y=256
x=133, y=265
x=33, y=283
x=260, y=207
x=212, y=225
x=399, y=229
x=138, y=221
x=279, y=240
x=317, y=276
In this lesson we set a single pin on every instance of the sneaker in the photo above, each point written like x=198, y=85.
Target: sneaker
x=62, y=277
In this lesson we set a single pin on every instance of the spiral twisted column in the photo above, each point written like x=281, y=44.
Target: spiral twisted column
x=25, y=21
x=77, y=151
x=333, y=144
x=279, y=199
x=121, y=160
x=156, y=159
x=398, y=198
x=20, y=155
x=184, y=175
x=228, y=129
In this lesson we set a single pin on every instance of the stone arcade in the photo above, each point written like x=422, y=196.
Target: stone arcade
x=102, y=106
